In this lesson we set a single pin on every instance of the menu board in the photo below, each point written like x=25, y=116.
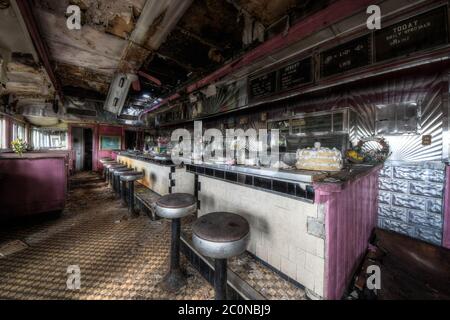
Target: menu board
x=263, y=85
x=295, y=74
x=350, y=55
x=421, y=32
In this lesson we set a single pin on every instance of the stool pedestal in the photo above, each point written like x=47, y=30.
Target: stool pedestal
x=220, y=279
x=130, y=178
x=175, y=206
x=120, y=185
x=220, y=235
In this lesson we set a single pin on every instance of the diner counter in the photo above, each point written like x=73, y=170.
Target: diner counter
x=33, y=183
x=160, y=174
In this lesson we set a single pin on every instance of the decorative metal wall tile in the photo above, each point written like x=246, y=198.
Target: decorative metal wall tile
x=434, y=206
x=386, y=172
x=384, y=197
x=425, y=219
x=426, y=189
x=409, y=173
x=429, y=235
x=394, y=185
x=437, y=176
x=394, y=213
x=418, y=211
x=398, y=226
x=409, y=202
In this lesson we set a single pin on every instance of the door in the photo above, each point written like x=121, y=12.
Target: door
x=87, y=137
x=78, y=148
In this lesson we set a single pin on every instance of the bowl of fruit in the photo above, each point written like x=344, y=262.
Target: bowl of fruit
x=354, y=156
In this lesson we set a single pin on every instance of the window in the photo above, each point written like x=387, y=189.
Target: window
x=3, y=133
x=18, y=132
x=401, y=118
x=48, y=139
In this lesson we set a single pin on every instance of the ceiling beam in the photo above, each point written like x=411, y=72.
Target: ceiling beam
x=26, y=12
x=157, y=20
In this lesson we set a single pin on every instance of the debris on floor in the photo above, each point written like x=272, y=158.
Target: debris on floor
x=116, y=261
x=12, y=247
x=410, y=269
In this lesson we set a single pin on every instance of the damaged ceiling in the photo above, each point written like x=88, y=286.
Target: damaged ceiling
x=167, y=44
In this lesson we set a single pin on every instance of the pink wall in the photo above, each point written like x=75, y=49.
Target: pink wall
x=351, y=216
x=34, y=183
x=446, y=233
x=97, y=131
x=108, y=131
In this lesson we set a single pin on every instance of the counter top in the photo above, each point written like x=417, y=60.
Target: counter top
x=336, y=179
x=34, y=155
x=161, y=160
x=348, y=173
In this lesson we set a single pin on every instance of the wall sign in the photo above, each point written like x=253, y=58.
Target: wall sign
x=110, y=142
x=421, y=32
x=296, y=73
x=263, y=85
x=353, y=54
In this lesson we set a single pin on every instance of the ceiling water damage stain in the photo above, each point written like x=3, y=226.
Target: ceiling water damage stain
x=175, y=51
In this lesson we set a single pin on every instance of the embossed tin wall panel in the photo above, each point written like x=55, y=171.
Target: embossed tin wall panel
x=410, y=200
x=411, y=183
x=427, y=91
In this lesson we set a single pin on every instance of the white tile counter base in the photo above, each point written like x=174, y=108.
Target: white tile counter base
x=184, y=181
x=278, y=229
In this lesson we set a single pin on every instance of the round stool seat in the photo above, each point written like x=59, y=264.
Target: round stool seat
x=129, y=176
x=107, y=161
x=221, y=235
x=111, y=164
x=114, y=168
x=121, y=171
x=176, y=205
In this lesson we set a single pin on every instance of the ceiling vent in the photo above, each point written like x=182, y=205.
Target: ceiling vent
x=118, y=92
x=81, y=112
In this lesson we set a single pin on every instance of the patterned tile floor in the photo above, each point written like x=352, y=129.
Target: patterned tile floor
x=261, y=278
x=119, y=258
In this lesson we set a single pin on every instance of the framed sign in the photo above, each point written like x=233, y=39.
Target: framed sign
x=263, y=85
x=294, y=74
x=350, y=55
x=110, y=142
x=424, y=31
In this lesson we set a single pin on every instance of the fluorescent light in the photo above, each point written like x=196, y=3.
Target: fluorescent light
x=146, y=96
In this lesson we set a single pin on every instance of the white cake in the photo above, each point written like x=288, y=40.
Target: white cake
x=318, y=158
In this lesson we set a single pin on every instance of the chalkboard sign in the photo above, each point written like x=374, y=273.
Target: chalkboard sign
x=295, y=74
x=350, y=55
x=421, y=32
x=110, y=142
x=263, y=85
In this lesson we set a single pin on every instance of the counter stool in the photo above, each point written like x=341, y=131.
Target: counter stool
x=130, y=177
x=111, y=172
x=104, y=162
x=220, y=235
x=175, y=206
x=110, y=166
x=121, y=186
x=106, y=167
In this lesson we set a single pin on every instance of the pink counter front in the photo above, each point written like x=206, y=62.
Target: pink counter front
x=32, y=184
x=351, y=212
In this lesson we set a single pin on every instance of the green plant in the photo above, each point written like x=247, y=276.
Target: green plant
x=19, y=146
